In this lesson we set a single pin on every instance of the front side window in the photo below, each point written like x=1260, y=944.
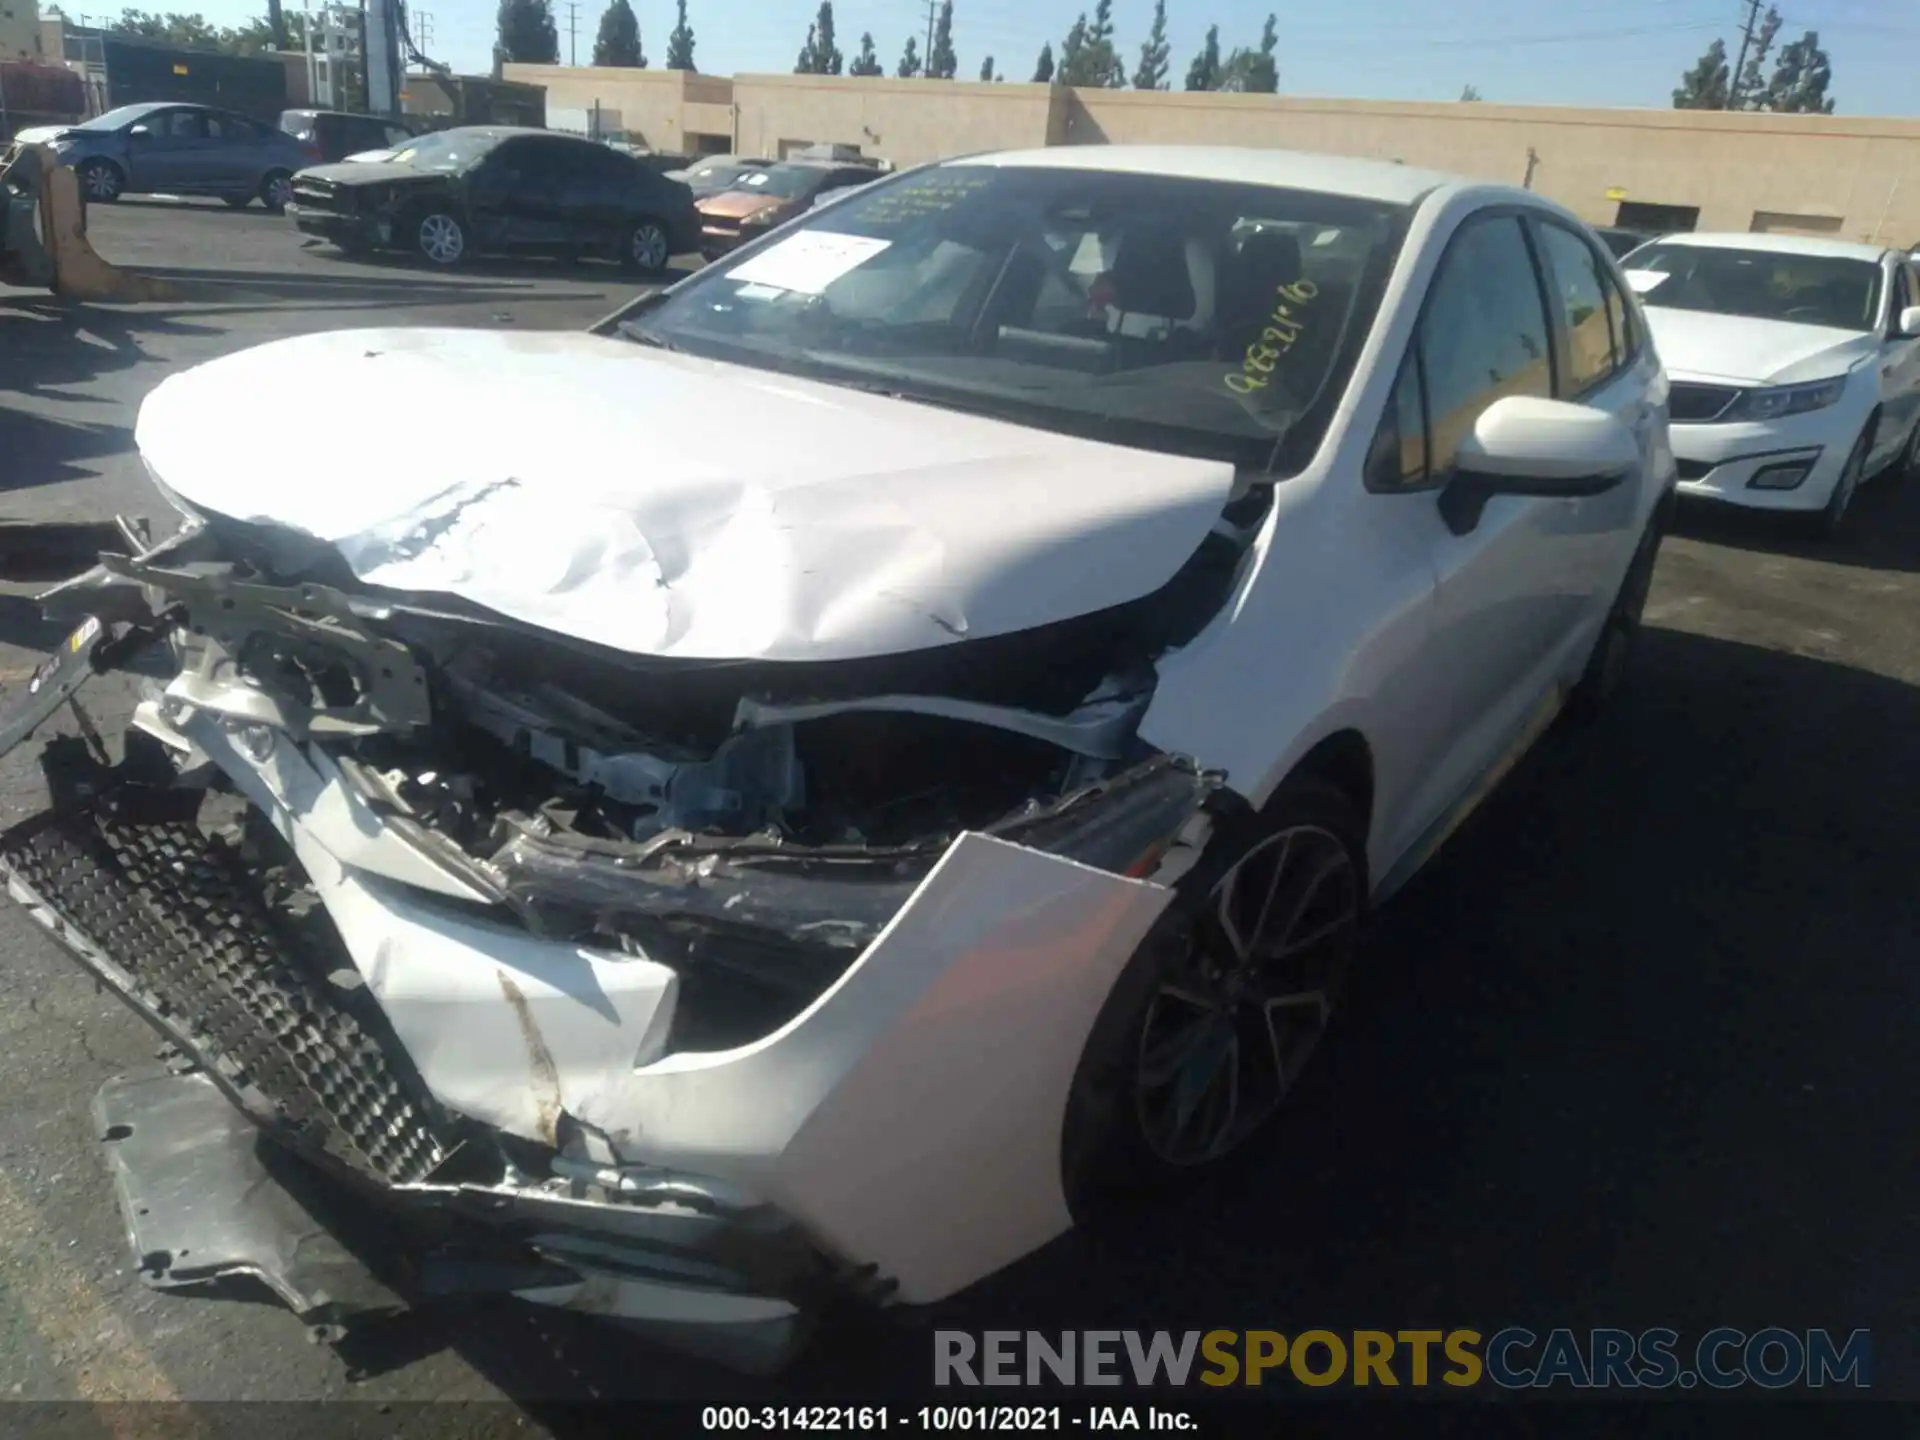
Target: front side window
x=1580, y=294
x=1198, y=317
x=450, y=150
x=1483, y=333
x=180, y=125
x=1832, y=290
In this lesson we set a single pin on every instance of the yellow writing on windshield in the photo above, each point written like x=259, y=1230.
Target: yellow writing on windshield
x=926, y=195
x=1280, y=334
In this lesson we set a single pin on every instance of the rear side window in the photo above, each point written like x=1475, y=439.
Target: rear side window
x=1591, y=310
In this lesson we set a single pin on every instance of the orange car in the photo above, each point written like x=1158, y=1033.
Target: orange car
x=771, y=197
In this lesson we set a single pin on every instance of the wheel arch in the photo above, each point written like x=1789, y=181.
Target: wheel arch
x=1343, y=760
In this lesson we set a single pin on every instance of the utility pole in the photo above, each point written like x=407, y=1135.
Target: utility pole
x=1740, y=65
x=423, y=31
x=573, y=31
x=926, y=57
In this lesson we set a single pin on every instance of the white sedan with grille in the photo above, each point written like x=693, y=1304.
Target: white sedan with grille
x=1795, y=365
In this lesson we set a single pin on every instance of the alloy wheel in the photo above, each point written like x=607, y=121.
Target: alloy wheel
x=1242, y=1007
x=649, y=247
x=103, y=182
x=279, y=192
x=442, y=240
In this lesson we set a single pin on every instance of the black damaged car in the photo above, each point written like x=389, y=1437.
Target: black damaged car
x=495, y=189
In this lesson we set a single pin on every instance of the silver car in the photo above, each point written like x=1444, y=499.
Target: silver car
x=170, y=149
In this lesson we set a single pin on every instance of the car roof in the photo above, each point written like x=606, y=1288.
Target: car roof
x=1778, y=244
x=1383, y=180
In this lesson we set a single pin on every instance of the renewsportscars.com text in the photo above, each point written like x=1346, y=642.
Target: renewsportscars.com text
x=1514, y=1358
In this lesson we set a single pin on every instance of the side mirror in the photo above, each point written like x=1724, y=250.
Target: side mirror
x=1526, y=446
x=138, y=132
x=1909, y=322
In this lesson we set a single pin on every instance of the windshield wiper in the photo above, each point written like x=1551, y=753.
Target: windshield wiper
x=640, y=335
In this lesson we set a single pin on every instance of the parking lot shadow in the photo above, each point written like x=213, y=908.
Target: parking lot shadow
x=1642, y=1018
x=46, y=344
x=1882, y=532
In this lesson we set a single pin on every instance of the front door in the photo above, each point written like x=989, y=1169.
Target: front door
x=1516, y=593
x=1899, y=371
x=171, y=155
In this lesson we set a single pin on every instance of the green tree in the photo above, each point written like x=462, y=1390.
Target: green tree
x=680, y=43
x=820, y=55
x=1151, y=72
x=1800, y=79
x=191, y=30
x=941, y=61
x=1254, y=72
x=867, y=62
x=1707, y=85
x=1204, y=72
x=1470, y=94
x=618, y=42
x=1087, y=58
x=1749, y=88
x=527, y=33
x=1043, y=67
x=986, y=72
x=909, y=65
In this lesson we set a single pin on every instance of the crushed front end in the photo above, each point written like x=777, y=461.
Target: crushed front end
x=689, y=994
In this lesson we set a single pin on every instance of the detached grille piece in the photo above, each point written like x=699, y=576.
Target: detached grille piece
x=1688, y=402
x=161, y=914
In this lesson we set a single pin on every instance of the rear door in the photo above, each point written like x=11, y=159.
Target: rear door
x=601, y=195
x=236, y=155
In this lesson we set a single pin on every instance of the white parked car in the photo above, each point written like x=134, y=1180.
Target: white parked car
x=1795, y=365
x=723, y=869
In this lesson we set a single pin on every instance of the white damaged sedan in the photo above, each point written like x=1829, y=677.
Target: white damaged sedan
x=812, y=787
x=1795, y=366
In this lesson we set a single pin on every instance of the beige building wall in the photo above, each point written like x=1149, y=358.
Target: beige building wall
x=20, y=30
x=905, y=121
x=1853, y=177
x=1858, y=178
x=660, y=109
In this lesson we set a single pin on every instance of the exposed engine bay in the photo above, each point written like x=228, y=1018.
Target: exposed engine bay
x=383, y=849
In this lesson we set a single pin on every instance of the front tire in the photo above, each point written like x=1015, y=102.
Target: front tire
x=1827, y=522
x=440, y=238
x=101, y=181
x=1212, y=1020
x=648, y=250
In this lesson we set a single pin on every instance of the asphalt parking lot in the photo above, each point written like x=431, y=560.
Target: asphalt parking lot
x=1637, y=1049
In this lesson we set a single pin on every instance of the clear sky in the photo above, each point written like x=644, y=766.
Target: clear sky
x=1573, y=52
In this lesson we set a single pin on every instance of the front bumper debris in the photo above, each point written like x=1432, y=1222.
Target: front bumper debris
x=202, y=1203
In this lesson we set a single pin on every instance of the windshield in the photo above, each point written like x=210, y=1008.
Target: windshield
x=446, y=150
x=789, y=182
x=720, y=176
x=1831, y=290
x=1192, y=316
x=114, y=119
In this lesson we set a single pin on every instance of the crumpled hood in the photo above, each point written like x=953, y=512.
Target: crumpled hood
x=40, y=134
x=383, y=171
x=1753, y=352
x=664, y=505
